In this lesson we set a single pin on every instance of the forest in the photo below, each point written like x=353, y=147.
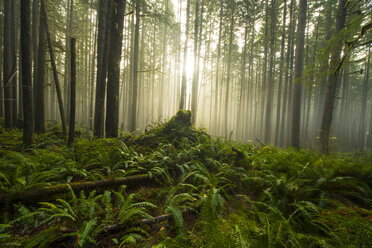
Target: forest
x=185, y=123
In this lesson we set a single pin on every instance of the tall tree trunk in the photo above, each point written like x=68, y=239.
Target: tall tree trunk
x=163, y=64
x=287, y=91
x=369, y=138
x=116, y=40
x=231, y=39
x=14, y=38
x=332, y=83
x=133, y=119
x=54, y=67
x=264, y=70
x=35, y=42
x=101, y=68
x=7, y=66
x=281, y=68
x=297, y=91
x=324, y=66
x=270, y=83
x=71, y=126
x=92, y=79
x=184, y=79
x=26, y=60
x=195, y=85
x=216, y=116
x=40, y=125
x=240, y=116
x=362, y=122
x=70, y=6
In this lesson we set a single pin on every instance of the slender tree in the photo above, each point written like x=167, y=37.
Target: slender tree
x=270, y=81
x=362, y=122
x=71, y=127
x=133, y=118
x=195, y=72
x=54, y=66
x=7, y=70
x=183, y=86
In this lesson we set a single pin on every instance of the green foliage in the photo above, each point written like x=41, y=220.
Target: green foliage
x=219, y=194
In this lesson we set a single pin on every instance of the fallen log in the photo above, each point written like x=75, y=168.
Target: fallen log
x=40, y=194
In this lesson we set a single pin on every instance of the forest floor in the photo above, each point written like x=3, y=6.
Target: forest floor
x=175, y=186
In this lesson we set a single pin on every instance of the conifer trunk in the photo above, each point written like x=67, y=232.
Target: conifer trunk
x=26, y=60
x=112, y=109
x=297, y=91
x=325, y=129
x=71, y=126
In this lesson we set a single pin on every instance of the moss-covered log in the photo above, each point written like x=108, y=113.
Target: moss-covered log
x=35, y=195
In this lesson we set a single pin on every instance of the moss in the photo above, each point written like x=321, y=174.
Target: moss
x=181, y=119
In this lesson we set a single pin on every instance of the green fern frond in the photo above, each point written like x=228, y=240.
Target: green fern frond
x=42, y=237
x=87, y=232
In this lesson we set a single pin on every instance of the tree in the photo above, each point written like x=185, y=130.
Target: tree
x=40, y=119
x=270, y=82
x=133, y=118
x=71, y=127
x=101, y=68
x=183, y=86
x=333, y=78
x=195, y=72
x=26, y=60
x=7, y=70
x=112, y=109
x=297, y=91
x=54, y=67
x=362, y=122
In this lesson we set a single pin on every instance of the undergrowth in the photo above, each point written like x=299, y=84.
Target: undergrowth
x=218, y=193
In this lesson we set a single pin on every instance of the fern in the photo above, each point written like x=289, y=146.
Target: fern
x=42, y=238
x=87, y=232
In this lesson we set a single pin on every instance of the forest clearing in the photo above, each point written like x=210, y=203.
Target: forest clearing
x=185, y=123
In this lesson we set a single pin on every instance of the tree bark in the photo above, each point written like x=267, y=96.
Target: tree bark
x=195, y=72
x=7, y=70
x=270, y=83
x=297, y=91
x=231, y=39
x=54, y=67
x=71, y=126
x=26, y=60
x=14, y=38
x=40, y=120
x=112, y=109
x=35, y=42
x=216, y=116
x=362, y=122
x=184, y=79
x=101, y=68
x=92, y=80
x=133, y=120
x=281, y=68
x=332, y=83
